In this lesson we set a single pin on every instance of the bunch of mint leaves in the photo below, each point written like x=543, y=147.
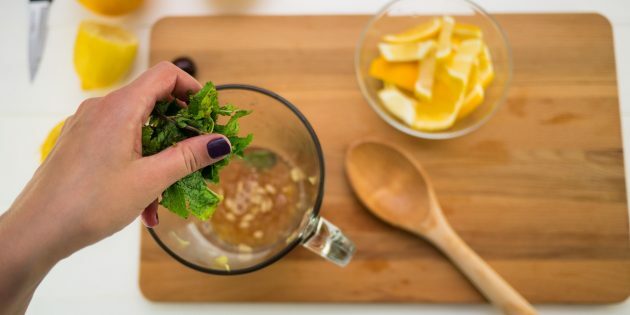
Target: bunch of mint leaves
x=170, y=123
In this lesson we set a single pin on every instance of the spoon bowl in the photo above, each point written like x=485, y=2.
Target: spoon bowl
x=402, y=196
x=396, y=189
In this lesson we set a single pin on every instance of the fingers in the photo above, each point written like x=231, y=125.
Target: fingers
x=163, y=169
x=150, y=216
x=157, y=83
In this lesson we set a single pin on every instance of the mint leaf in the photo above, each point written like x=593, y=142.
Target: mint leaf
x=261, y=159
x=200, y=199
x=169, y=123
x=240, y=143
x=174, y=199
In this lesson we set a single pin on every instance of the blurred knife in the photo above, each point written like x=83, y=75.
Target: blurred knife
x=38, y=16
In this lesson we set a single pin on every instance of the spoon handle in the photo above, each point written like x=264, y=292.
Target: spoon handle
x=488, y=281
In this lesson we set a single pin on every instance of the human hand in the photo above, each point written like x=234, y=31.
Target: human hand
x=95, y=181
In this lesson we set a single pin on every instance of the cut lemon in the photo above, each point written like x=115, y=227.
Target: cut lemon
x=486, y=70
x=398, y=104
x=420, y=32
x=473, y=78
x=473, y=99
x=50, y=141
x=471, y=47
x=441, y=112
x=103, y=54
x=445, y=64
x=401, y=74
x=461, y=64
x=426, y=74
x=405, y=52
x=467, y=30
x=459, y=67
x=444, y=39
x=111, y=7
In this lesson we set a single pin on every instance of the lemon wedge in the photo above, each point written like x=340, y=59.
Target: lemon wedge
x=420, y=32
x=441, y=112
x=461, y=63
x=401, y=74
x=444, y=39
x=111, y=7
x=486, y=70
x=405, y=52
x=445, y=64
x=473, y=78
x=50, y=141
x=398, y=104
x=473, y=99
x=103, y=54
x=426, y=73
x=470, y=47
x=467, y=30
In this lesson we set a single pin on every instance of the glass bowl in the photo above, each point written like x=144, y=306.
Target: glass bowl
x=400, y=15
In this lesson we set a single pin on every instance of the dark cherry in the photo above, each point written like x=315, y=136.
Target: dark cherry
x=186, y=64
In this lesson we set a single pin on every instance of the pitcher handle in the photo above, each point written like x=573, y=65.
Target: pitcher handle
x=326, y=240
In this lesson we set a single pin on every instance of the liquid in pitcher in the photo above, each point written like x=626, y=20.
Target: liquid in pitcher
x=263, y=200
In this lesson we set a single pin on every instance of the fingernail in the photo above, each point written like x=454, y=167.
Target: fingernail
x=218, y=147
x=150, y=215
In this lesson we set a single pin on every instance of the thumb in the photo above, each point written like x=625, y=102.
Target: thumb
x=183, y=158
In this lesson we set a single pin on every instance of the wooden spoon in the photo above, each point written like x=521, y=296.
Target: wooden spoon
x=397, y=190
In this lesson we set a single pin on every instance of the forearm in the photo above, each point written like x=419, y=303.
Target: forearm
x=28, y=251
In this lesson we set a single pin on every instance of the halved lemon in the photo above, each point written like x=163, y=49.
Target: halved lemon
x=405, y=52
x=398, y=104
x=103, y=54
x=444, y=39
x=111, y=7
x=420, y=32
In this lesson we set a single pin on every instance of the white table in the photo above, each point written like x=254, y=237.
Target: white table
x=103, y=279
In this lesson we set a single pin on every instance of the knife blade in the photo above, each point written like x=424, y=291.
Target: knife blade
x=38, y=16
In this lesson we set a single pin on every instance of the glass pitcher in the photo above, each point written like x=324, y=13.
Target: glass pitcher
x=271, y=200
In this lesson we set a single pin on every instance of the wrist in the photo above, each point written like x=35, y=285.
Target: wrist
x=29, y=242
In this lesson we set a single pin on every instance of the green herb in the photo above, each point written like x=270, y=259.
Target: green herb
x=260, y=159
x=170, y=123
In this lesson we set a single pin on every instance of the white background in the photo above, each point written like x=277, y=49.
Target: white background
x=103, y=279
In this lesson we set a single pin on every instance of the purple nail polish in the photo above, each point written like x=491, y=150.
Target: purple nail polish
x=218, y=147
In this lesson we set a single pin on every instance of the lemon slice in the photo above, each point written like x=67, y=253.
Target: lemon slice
x=444, y=39
x=467, y=30
x=473, y=78
x=401, y=74
x=461, y=64
x=103, y=54
x=486, y=70
x=405, y=52
x=420, y=32
x=473, y=99
x=426, y=74
x=471, y=47
x=50, y=141
x=398, y=104
x=441, y=112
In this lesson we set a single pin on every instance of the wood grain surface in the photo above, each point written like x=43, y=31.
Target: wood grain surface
x=538, y=192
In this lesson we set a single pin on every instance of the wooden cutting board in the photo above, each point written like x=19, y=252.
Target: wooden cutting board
x=538, y=192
